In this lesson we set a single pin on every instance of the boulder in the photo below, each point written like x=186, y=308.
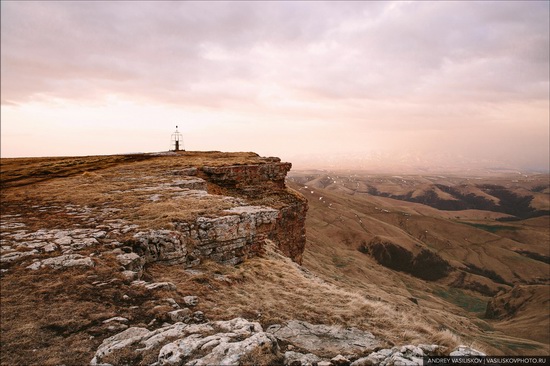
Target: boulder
x=131, y=261
x=324, y=340
x=181, y=315
x=161, y=285
x=191, y=300
x=221, y=349
x=67, y=260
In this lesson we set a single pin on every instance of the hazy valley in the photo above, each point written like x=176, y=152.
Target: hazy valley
x=450, y=244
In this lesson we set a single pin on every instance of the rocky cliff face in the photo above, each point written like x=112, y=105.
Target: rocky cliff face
x=263, y=209
x=266, y=183
x=175, y=208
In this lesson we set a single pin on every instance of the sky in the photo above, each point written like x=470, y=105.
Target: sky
x=320, y=84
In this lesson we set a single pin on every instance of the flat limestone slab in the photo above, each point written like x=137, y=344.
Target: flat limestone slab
x=325, y=340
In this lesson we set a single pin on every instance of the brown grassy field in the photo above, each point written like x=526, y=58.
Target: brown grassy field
x=486, y=254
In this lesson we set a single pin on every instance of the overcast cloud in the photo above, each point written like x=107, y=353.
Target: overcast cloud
x=466, y=79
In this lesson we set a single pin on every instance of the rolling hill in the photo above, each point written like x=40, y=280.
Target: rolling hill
x=450, y=244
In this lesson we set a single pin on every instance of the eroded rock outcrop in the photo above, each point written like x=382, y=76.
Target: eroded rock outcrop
x=324, y=340
x=250, y=179
x=242, y=342
x=226, y=239
x=215, y=343
x=223, y=207
x=237, y=233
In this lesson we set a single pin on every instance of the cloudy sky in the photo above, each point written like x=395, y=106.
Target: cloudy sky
x=334, y=83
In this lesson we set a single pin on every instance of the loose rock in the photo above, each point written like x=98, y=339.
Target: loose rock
x=191, y=300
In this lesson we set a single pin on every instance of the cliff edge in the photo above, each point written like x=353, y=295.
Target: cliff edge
x=180, y=207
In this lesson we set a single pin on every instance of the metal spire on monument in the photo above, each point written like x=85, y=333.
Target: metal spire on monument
x=176, y=143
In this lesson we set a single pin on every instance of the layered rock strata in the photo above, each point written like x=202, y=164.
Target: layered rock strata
x=240, y=207
x=242, y=230
x=226, y=239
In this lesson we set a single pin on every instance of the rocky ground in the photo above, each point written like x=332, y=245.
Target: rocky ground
x=179, y=334
x=239, y=341
x=126, y=264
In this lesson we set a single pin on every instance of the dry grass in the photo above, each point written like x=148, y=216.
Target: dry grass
x=272, y=290
x=336, y=231
x=126, y=182
x=16, y=172
x=161, y=215
x=53, y=317
x=262, y=356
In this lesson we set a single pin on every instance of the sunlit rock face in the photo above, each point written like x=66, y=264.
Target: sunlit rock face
x=218, y=206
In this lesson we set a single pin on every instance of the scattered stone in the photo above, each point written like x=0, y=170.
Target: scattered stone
x=431, y=349
x=181, y=315
x=404, y=355
x=193, y=272
x=222, y=278
x=34, y=266
x=65, y=240
x=131, y=261
x=160, y=285
x=199, y=317
x=127, y=229
x=12, y=225
x=130, y=275
x=116, y=324
x=191, y=300
x=13, y=256
x=172, y=303
x=117, y=327
x=118, y=319
x=99, y=234
x=155, y=197
x=138, y=283
x=466, y=351
x=411, y=350
x=48, y=248
x=84, y=243
x=119, y=341
x=222, y=349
